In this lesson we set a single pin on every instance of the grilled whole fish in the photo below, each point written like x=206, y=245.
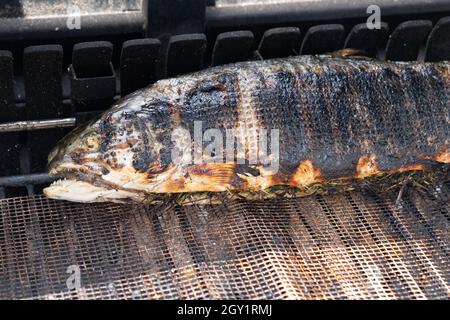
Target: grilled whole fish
x=334, y=119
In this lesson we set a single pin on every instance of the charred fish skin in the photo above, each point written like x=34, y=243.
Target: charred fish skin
x=337, y=118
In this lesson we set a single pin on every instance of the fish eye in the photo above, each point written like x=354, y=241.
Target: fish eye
x=92, y=142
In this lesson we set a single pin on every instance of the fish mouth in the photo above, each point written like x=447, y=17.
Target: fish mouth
x=86, y=192
x=76, y=184
x=84, y=183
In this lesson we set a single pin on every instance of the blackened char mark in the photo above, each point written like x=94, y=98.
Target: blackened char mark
x=424, y=96
x=313, y=89
x=108, y=132
x=405, y=109
x=369, y=90
x=106, y=129
x=277, y=106
x=153, y=124
x=161, y=114
x=415, y=88
x=438, y=93
x=243, y=170
x=338, y=95
x=158, y=113
x=382, y=94
x=214, y=103
x=399, y=117
x=142, y=156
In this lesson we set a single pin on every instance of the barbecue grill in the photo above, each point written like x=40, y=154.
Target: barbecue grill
x=54, y=76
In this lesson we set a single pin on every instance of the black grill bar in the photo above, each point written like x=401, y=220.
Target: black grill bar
x=56, y=27
x=369, y=41
x=232, y=47
x=323, y=38
x=165, y=18
x=406, y=40
x=438, y=45
x=43, y=86
x=26, y=179
x=138, y=60
x=283, y=13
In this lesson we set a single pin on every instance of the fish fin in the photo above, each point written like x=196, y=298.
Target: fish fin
x=211, y=175
x=349, y=53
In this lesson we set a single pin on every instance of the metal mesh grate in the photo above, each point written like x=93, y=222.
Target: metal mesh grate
x=352, y=245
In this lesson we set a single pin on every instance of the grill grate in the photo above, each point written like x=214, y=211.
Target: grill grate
x=351, y=245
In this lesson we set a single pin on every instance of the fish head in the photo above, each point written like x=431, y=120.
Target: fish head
x=121, y=156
